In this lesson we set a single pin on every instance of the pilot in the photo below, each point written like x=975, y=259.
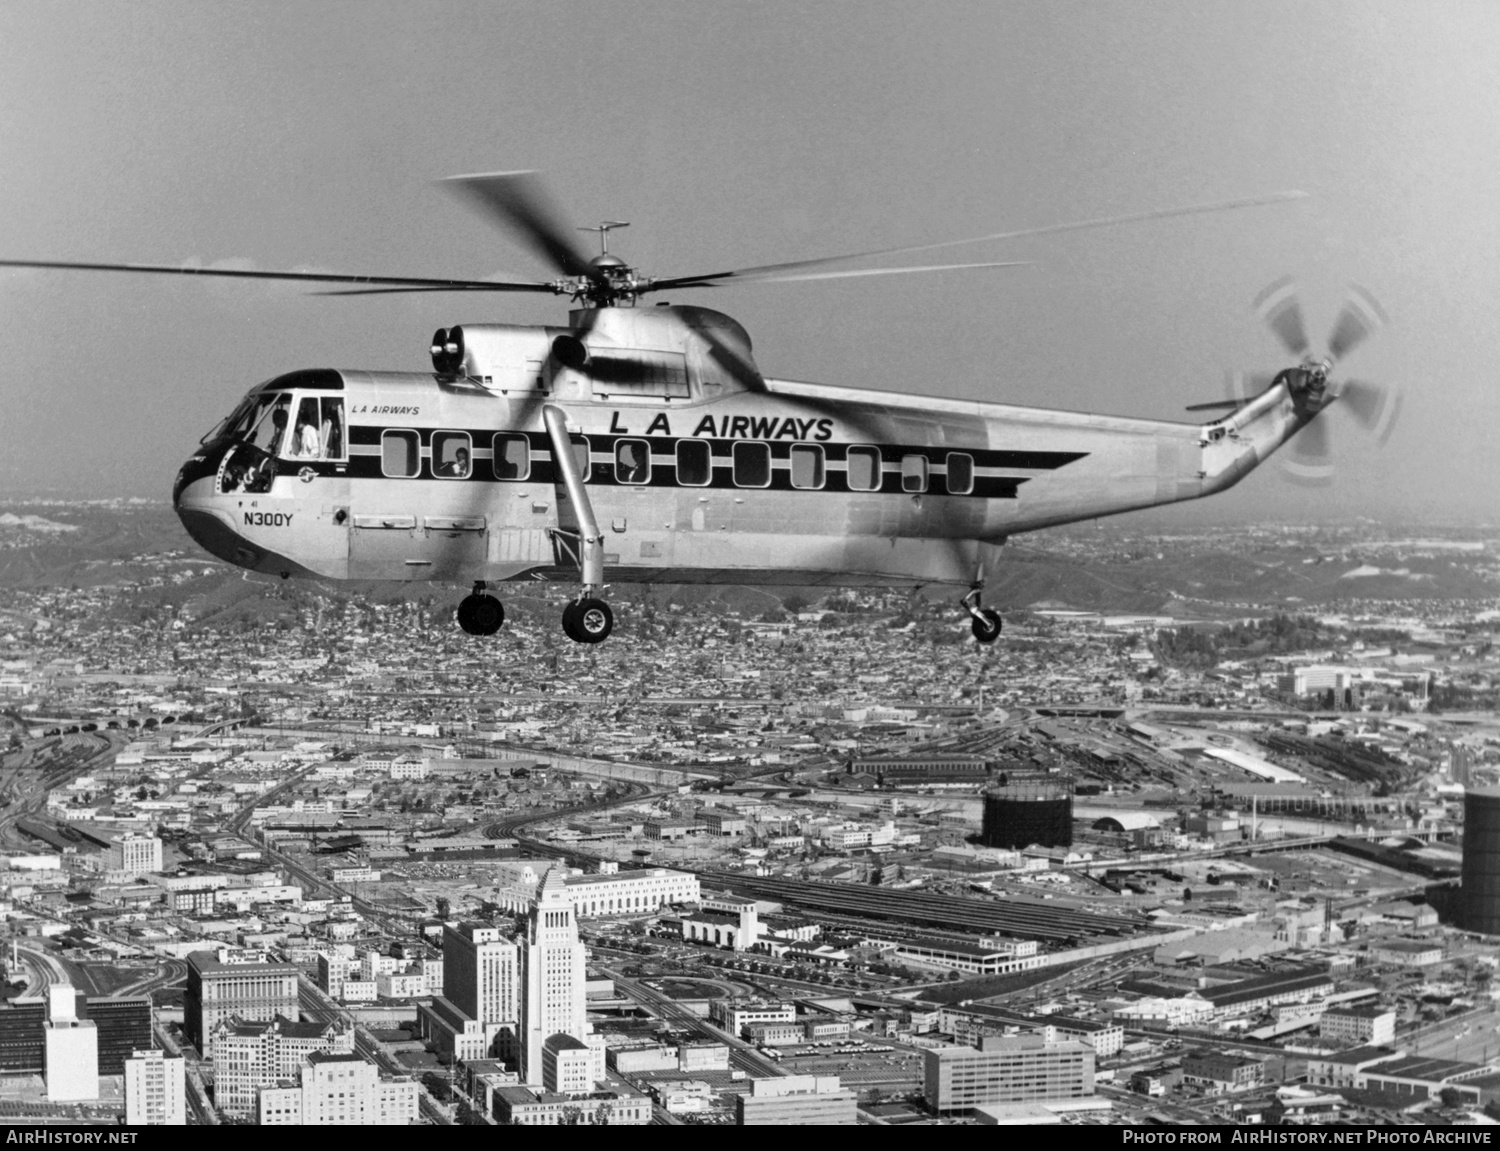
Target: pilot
x=630, y=463
x=458, y=466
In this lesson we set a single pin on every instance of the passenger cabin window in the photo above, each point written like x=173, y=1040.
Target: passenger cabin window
x=752, y=465
x=581, y=454
x=864, y=469
x=632, y=461
x=512, y=456
x=400, y=454
x=694, y=463
x=913, y=473
x=451, y=455
x=807, y=466
x=960, y=473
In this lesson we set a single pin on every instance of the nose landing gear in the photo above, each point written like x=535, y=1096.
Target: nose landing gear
x=986, y=620
x=480, y=614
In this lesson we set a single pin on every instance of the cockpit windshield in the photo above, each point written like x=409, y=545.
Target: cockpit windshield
x=254, y=421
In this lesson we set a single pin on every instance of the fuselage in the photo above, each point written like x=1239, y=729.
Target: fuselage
x=692, y=476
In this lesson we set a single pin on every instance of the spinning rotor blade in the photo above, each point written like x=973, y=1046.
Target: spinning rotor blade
x=400, y=283
x=1360, y=317
x=1047, y=230
x=1374, y=405
x=1278, y=307
x=1310, y=460
x=790, y=279
x=518, y=202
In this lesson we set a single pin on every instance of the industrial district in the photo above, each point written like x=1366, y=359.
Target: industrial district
x=280, y=854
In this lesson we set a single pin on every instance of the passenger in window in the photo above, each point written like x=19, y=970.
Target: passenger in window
x=630, y=463
x=458, y=467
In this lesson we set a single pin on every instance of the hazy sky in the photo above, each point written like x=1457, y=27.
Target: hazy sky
x=732, y=134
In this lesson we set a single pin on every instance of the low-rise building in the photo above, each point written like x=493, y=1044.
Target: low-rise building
x=523, y=1107
x=1361, y=1025
x=1217, y=1072
x=796, y=1100
x=1022, y=1069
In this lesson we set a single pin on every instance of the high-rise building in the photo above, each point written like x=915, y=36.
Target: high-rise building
x=72, y=1047
x=251, y=1055
x=1481, y=861
x=796, y=1100
x=553, y=973
x=1023, y=1069
x=231, y=983
x=124, y=1028
x=340, y=1090
x=155, y=1090
x=482, y=973
x=135, y=854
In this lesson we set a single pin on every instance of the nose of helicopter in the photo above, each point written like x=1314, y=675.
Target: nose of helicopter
x=204, y=513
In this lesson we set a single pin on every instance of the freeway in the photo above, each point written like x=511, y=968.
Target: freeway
x=742, y=1056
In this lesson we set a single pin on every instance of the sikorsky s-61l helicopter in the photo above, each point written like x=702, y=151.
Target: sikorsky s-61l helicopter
x=643, y=442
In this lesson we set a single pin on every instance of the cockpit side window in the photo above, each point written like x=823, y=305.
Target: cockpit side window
x=270, y=425
x=306, y=443
x=331, y=428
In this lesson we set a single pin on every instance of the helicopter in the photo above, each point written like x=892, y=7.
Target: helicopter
x=643, y=443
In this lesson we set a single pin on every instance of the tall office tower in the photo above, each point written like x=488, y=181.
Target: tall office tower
x=135, y=854
x=228, y=983
x=553, y=974
x=124, y=1027
x=481, y=973
x=72, y=1047
x=155, y=1090
x=1481, y=861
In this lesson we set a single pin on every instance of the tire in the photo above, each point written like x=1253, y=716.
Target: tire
x=488, y=614
x=592, y=621
x=986, y=629
x=569, y=617
x=467, y=614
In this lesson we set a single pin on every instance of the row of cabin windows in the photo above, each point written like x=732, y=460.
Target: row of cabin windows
x=452, y=458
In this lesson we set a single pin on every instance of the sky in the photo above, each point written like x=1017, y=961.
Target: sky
x=311, y=135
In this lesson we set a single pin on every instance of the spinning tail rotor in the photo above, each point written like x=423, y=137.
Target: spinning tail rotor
x=1312, y=384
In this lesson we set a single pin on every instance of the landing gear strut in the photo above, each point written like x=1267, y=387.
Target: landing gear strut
x=588, y=619
x=480, y=614
x=986, y=620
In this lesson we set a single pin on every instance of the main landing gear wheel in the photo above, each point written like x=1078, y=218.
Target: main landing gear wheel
x=588, y=621
x=480, y=614
x=986, y=625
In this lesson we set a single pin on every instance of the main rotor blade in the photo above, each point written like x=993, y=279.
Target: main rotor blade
x=1046, y=230
x=401, y=283
x=795, y=278
x=1278, y=307
x=1360, y=316
x=518, y=202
